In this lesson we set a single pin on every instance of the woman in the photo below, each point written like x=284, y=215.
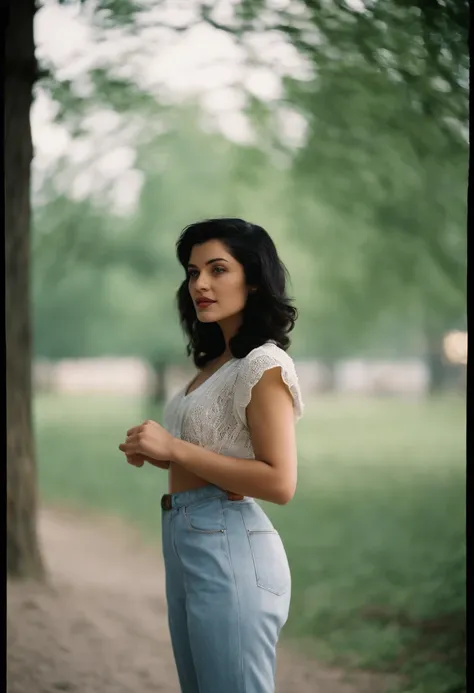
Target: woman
x=228, y=438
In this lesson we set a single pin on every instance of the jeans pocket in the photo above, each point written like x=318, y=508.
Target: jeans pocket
x=268, y=553
x=271, y=564
x=206, y=517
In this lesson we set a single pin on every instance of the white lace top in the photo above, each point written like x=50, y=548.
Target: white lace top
x=213, y=415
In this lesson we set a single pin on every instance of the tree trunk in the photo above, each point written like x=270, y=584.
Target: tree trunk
x=23, y=555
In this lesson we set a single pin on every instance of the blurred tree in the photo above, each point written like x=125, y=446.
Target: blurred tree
x=23, y=555
x=381, y=181
x=398, y=180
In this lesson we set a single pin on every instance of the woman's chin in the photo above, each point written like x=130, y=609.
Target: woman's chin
x=206, y=318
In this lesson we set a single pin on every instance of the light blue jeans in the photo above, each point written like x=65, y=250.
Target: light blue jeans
x=228, y=588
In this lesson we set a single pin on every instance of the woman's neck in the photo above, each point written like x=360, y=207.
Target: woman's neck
x=230, y=327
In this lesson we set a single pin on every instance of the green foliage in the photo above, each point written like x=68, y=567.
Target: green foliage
x=377, y=193
x=113, y=13
x=405, y=184
x=129, y=261
x=375, y=534
x=118, y=12
x=105, y=90
x=380, y=184
x=370, y=216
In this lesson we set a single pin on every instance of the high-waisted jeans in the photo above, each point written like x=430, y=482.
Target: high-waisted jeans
x=228, y=588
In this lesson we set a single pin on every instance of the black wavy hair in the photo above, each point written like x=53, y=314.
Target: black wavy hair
x=268, y=313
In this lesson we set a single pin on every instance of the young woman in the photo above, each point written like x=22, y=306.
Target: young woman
x=228, y=438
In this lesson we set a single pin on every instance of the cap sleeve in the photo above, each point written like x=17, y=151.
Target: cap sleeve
x=254, y=366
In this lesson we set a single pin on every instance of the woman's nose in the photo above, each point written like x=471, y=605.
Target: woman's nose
x=202, y=282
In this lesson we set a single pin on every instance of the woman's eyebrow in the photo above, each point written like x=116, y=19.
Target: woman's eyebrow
x=215, y=259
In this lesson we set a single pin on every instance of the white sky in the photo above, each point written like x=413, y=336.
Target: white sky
x=202, y=61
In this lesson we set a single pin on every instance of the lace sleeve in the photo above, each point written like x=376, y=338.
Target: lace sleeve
x=254, y=366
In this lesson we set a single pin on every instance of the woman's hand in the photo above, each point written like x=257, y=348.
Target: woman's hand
x=149, y=441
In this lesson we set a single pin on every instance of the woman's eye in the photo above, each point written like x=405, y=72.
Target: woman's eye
x=192, y=274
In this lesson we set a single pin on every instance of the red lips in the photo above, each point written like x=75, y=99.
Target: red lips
x=204, y=302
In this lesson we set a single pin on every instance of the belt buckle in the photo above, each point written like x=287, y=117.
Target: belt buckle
x=166, y=501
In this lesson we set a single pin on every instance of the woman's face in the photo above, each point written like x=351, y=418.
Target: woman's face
x=216, y=282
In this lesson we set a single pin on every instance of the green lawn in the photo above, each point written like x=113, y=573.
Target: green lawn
x=375, y=533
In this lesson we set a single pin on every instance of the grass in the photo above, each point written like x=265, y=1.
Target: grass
x=375, y=534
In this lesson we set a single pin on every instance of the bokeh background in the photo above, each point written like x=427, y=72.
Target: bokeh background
x=341, y=127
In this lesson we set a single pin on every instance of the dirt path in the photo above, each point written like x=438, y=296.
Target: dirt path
x=100, y=625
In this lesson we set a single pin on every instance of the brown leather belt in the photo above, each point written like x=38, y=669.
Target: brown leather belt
x=167, y=499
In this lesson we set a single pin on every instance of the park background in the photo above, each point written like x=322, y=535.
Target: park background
x=342, y=129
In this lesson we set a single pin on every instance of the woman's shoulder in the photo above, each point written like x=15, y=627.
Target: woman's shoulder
x=256, y=363
x=265, y=356
x=269, y=350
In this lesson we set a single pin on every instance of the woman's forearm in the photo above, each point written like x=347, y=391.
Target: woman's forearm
x=247, y=477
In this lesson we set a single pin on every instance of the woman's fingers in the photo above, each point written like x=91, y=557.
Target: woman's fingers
x=135, y=463
x=136, y=429
x=137, y=447
x=133, y=430
x=136, y=460
x=130, y=446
